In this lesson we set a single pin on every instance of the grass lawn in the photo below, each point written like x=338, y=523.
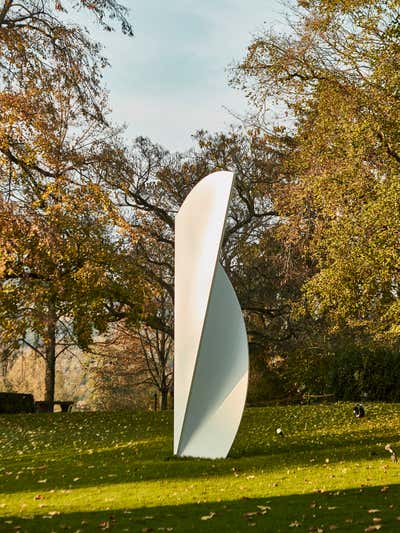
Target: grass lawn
x=84, y=472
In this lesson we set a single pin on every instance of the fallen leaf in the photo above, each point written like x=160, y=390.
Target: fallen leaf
x=375, y=527
x=371, y=511
x=264, y=507
x=208, y=516
x=384, y=489
x=295, y=524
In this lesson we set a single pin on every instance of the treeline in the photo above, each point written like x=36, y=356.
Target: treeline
x=312, y=244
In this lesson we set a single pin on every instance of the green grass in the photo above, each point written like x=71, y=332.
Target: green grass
x=84, y=472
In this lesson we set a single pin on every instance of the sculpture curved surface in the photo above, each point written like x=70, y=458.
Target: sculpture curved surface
x=211, y=351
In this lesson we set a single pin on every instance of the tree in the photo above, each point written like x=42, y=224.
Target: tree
x=131, y=364
x=64, y=270
x=157, y=347
x=63, y=276
x=117, y=371
x=337, y=76
x=151, y=191
x=42, y=54
x=7, y=356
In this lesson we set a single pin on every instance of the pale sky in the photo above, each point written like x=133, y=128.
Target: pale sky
x=170, y=79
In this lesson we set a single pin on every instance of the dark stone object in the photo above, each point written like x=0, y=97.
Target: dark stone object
x=359, y=411
x=13, y=402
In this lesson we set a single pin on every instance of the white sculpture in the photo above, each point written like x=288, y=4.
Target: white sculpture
x=211, y=350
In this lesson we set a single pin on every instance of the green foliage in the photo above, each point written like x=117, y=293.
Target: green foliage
x=97, y=471
x=362, y=372
x=337, y=76
x=348, y=368
x=265, y=382
x=307, y=371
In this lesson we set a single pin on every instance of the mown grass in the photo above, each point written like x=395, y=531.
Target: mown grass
x=85, y=472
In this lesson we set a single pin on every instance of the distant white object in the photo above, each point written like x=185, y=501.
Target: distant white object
x=393, y=455
x=211, y=350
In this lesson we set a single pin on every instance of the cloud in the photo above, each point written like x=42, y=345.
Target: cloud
x=171, y=122
x=170, y=79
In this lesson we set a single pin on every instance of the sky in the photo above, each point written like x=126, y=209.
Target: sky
x=171, y=78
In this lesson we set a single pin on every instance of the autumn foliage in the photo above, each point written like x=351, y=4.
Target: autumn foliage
x=312, y=240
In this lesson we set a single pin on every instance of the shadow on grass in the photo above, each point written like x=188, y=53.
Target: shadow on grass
x=350, y=510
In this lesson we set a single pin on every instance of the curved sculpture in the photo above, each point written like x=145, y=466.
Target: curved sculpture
x=211, y=350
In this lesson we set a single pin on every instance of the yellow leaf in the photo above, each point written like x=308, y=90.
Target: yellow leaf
x=208, y=516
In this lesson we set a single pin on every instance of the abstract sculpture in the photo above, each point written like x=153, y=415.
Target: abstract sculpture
x=211, y=350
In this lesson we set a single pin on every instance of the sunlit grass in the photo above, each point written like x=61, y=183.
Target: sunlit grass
x=97, y=471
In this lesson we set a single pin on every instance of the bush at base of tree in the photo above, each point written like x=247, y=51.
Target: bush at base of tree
x=350, y=372
x=265, y=383
x=358, y=373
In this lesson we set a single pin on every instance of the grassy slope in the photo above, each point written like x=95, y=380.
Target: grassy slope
x=95, y=471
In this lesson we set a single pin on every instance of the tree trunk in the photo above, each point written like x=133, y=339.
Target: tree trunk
x=164, y=399
x=4, y=363
x=50, y=377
